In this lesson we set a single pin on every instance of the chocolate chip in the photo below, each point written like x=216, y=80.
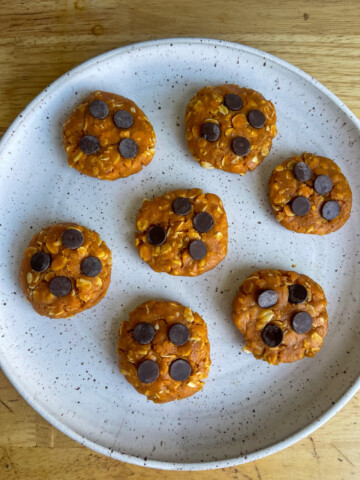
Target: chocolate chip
x=181, y=206
x=256, y=118
x=91, y=266
x=180, y=370
x=323, y=184
x=302, y=172
x=267, y=298
x=40, y=261
x=123, y=119
x=156, y=235
x=330, y=210
x=240, y=146
x=60, y=286
x=89, y=144
x=233, y=101
x=179, y=334
x=128, y=148
x=297, y=293
x=203, y=222
x=148, y=371
x=144, y=333
x=301, y=322
x=210, y=131
x=272, y=335
x=197, y=249
x=300, y=206
x=98, y=109
x=72, y=238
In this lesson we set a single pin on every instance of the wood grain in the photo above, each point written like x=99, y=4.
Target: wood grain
x=39, y=41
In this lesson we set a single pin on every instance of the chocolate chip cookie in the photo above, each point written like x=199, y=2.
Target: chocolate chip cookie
x=282, y=316
x=164, y=351
x=108, y=137
x=230, y=128
x=183, y=232
x=309, y=194
x=65, y=269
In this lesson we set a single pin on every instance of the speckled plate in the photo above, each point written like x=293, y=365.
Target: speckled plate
x=67, y=369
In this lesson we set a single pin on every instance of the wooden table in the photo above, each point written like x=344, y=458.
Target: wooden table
x=40, y=40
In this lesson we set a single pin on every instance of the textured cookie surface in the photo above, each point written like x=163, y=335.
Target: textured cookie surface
x=160, y=341
x=282, y=315
x=65, y=269
x=183, y=232
x=309, y=194
x=108, y=137
x=245, y=124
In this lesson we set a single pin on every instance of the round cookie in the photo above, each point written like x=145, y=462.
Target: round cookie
x=183, y=232
x=229, y=128
x=164, y=351
x=108, y=137
x=282, y=316
x=65, y=269
x=309, y=194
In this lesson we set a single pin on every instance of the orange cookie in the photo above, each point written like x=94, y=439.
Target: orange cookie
x=183, y=232
x=108, y=137
x=230, y=128
x=164, y=351
x=66, y=269
x=282, y=316
x=309, y=194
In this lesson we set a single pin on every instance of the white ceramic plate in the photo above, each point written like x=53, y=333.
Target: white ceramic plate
x=67, y=369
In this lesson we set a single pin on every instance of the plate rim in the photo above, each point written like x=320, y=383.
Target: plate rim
x=31, y=399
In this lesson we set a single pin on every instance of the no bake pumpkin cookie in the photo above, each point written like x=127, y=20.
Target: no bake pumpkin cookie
x=229, y=128
x=309, y=194
x=183, y=232
x=65, y=269
x=282, y=315
x=164, y=351
x=108, y=137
